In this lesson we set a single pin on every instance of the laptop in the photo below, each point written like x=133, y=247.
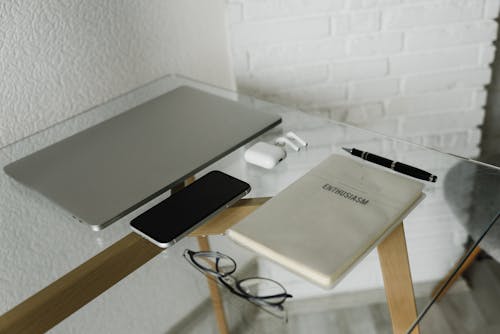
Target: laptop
x=106, y=171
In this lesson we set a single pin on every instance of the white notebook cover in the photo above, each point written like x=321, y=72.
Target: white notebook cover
x=324, y=223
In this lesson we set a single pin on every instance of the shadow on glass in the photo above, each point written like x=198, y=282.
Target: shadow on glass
x=266, y=293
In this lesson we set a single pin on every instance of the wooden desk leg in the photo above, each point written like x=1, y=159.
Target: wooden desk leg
x=51, y=305
x=214, y=292
x=212, y=285
x=393, y=257
x=452, y=276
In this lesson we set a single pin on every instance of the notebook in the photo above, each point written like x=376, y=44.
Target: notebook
x=324, y=223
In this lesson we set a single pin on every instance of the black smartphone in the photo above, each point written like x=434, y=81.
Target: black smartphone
x=170, y=220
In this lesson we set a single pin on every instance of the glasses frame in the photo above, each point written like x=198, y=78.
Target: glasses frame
x=227, y=280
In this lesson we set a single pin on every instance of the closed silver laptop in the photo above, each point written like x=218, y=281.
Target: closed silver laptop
x=106, y=171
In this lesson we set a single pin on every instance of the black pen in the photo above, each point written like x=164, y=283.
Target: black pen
x=394, y=165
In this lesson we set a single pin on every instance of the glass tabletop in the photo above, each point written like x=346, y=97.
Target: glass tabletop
x=40, y=243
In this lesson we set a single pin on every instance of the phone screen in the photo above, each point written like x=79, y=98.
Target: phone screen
x=174, y=217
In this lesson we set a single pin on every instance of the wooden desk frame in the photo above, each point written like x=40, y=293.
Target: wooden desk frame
x=68, y=294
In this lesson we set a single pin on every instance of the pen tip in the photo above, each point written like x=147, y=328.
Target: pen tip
x=348, y=150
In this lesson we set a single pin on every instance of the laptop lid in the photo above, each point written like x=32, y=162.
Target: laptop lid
x=106, y=171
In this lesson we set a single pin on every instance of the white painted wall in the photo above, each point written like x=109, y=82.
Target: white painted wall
x=58, y=59
x=414, y=69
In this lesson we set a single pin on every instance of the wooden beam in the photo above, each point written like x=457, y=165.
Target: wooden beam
x=51, y=305
x=393, y=256
x=215, y=296
x=216, y=226
x=452, y=276
x=227, y=218
x=48, y=307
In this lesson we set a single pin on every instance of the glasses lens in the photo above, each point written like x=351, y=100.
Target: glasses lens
x=215, y=262
x=263, y=288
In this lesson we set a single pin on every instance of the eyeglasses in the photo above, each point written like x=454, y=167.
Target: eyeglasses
x=266, y=293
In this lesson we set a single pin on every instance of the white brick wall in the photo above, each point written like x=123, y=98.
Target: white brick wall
x=410, y=68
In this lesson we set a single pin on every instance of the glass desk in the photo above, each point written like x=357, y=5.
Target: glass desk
x=41, y=244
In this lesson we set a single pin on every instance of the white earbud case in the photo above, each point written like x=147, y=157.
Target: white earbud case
x=264, y=155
